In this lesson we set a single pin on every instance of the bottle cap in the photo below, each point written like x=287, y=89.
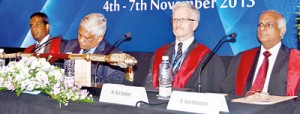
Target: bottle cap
x=165, y=57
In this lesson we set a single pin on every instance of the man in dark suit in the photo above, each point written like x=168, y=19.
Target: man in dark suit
x=186, y=55
x=40, y=28
x=91, y=33
x=271, y=68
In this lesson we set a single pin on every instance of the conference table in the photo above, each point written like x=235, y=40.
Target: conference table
x=43, y=104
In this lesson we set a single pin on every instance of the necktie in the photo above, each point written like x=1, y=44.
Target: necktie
x=37, y=48
x=261, y=75
x=85, y=51
x=177, y=58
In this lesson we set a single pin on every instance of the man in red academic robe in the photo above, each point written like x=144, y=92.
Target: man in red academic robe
x=280, y=76
x=40, y=27
x=186, y=55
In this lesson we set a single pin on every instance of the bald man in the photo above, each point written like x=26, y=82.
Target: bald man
x=271, y=68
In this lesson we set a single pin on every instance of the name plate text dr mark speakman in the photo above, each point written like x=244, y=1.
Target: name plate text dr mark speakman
x=122, y=94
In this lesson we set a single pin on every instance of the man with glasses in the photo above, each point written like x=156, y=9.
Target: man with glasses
x=186, y=55
x=271, y=68
x=91, y=40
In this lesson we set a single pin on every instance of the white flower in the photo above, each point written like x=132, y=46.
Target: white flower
x=1, y=81
x=30, y=74
x=83, y=93
x=56, y=91
x=30, y=86
x=19, y=77
x=24, y=84
x=9, y=85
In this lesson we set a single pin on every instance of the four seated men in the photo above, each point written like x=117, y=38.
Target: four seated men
x=271, y=68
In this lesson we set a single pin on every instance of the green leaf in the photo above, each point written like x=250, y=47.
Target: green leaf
x=86, y=100
x=18, y=92
x=59, y=105
x=3, y=88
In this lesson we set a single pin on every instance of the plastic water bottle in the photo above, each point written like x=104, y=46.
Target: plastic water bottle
x=2, y=61
x=69, y=66
x=165, y=79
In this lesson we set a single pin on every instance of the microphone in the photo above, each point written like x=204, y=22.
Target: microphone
x=127, y=36
x=43, y=44
x=211, y=54
x=232, y=36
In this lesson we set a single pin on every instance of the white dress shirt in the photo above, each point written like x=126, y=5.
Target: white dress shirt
x=274, y=51
x=45, y=39
x=91, y=51
x=185, y=44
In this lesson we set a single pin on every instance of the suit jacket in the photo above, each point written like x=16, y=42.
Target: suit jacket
x=105, y=72
x=211, y=75
x=278, y=78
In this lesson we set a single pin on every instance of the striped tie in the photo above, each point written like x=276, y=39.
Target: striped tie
x=85, y=51
x=177, y=58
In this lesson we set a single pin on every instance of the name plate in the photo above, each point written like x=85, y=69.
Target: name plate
x=197, y=102
x=122, y=94
x=83, y=72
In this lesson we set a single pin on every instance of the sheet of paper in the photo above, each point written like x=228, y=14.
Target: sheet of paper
x=83, y=72
x=271, y=100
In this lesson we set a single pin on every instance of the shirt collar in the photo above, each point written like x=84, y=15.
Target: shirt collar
x=274, y=50
x=44, y=39
x=185, y=43
x=91, y=51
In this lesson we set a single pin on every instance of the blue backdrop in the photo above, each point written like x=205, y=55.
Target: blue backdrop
x=147, y=20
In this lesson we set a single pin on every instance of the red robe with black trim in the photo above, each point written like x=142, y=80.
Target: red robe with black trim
x=187, y=68
x=54, y=47
x=246, y=62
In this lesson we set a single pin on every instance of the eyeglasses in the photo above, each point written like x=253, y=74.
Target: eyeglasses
x=267, y=25
x=85, y=38
x=181, y=20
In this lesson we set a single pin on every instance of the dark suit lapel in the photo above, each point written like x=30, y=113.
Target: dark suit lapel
x=252, y=73
x=277, y=83
x=77, y=49
x=169, y=51
x=193, y=45
x=101, y=48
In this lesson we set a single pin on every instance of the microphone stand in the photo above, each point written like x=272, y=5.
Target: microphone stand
x=108, y=52
x=211, y=54
x=43, y=44
x=114, y=45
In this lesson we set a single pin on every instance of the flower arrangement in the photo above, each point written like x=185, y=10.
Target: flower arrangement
x=36, y=74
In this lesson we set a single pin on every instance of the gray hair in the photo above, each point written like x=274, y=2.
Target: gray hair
x=95, y=23
x=187, y=5
x=281, y=21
